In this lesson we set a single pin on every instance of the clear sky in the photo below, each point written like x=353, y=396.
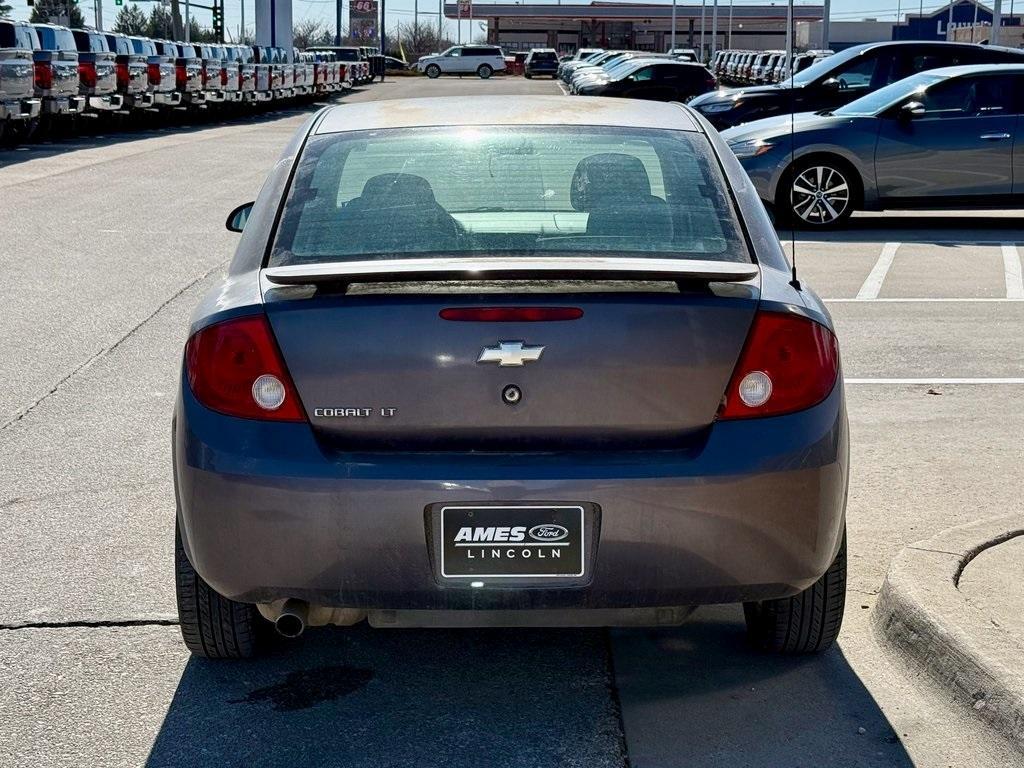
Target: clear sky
x=402, y=10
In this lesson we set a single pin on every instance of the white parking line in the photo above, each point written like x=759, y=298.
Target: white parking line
x=1011, y=268
x=873, y=283
x=937, y=380
x=926, y=300
x=562, y=88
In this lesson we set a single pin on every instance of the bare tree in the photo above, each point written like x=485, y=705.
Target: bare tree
x=311, y=33
x=415, y=40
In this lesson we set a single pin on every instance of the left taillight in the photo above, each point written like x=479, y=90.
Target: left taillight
x=87, y=73
x=123, y=76
x=235, y=367
x=789, y=363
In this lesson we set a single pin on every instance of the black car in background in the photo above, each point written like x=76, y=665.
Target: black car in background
x=541, y=61
x=654, y=80
x=843, y=77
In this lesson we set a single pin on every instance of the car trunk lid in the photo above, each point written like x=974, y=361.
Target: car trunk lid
x=645, y=363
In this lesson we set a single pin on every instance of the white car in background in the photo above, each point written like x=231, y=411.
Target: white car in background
x=481, y=60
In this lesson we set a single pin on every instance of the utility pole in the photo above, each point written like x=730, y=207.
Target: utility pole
x=673, y=35
x=826, y=16
x=714, y=28
x=440, y=21
x=241, y=33
x=188, y=23
x=949, y=22
x=383, y=16
x=997, y=22
x=99, y=15
x=337, y=22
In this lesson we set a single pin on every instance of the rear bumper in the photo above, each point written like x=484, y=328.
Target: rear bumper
x=20, y=109
x=167, y=98
x=66, y=105
x=109, y=103
x=756, y=513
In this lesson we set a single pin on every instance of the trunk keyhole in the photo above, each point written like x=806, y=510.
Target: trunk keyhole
x=511, y=394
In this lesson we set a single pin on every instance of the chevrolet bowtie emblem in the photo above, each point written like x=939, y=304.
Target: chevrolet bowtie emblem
x=510, y=353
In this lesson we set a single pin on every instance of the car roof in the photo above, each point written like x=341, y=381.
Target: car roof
x=503, y=111
x=976, y=69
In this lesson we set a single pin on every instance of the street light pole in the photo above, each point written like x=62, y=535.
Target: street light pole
x=789, y=37
x=703, y=3
x=729, y=36
x=826, y=16
x=949, y=22
x=672, y=47
x=714, y=28
x=188, y=24
x=997, y=22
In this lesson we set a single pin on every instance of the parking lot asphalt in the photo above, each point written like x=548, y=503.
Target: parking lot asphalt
x=96, y=296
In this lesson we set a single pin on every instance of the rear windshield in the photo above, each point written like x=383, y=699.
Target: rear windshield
x=543, y=56
x=145, y=47
x=530, y=191
x=56, y=39
x=16, y=36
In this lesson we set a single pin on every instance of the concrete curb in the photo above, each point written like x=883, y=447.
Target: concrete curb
x=923, y=614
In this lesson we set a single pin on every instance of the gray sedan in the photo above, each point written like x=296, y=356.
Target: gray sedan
x=938, y=139
x=508, y=361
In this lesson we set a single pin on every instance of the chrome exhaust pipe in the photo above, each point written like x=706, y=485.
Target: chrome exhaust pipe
x=291, y=622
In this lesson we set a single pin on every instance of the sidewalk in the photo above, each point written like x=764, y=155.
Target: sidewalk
x=954, y=606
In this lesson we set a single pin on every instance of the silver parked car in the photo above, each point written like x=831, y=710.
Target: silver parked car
x=601, y=400
x=941, y=138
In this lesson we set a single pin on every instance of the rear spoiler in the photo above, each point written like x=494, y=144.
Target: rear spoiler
x=568, y=268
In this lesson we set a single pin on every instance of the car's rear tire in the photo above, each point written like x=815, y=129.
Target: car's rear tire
x=807, y=622
x=528, y=76
x=484, y=71
x=433, y=71
x=212, y=625
x=818, y=193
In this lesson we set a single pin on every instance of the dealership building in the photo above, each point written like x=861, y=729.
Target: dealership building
x=566, y=27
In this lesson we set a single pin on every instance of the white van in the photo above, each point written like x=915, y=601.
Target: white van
x=482, y=60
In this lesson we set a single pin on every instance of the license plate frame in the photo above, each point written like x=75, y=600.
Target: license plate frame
x=512, y=531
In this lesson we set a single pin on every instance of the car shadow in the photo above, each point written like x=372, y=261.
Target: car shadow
x=693, y=695
x=911, y=227
x=363, y=697
x=698, y=695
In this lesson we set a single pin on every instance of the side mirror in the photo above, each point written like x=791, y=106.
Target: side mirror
x=832, y=84
x=237, y=218
x=912, y=109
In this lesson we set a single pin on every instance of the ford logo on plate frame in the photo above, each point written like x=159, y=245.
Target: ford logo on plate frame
x=548, y=532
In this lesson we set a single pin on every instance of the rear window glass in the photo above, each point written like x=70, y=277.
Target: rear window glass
x=145, y=47
x=543, y=56
x=56, y=39
x=484, y=191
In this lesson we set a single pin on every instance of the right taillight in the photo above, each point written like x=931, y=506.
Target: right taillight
x=180, y=76
x=123, y=76
x=788, y=363
x=235, y=367
x=154, y=73
x=44, y=75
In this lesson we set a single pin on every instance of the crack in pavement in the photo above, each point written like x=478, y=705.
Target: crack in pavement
x=106, y=350
x=89, y=624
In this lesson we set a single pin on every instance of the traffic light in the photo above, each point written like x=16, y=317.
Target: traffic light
x=218, y=20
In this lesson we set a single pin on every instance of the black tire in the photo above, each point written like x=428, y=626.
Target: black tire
x=793, y=207
x=433, y=71
x=484, y=71
x=528, y=76
x=212, y=625
x=807, y=622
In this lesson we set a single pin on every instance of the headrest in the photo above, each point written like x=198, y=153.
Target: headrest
x=390, y=190
x=603, y=178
